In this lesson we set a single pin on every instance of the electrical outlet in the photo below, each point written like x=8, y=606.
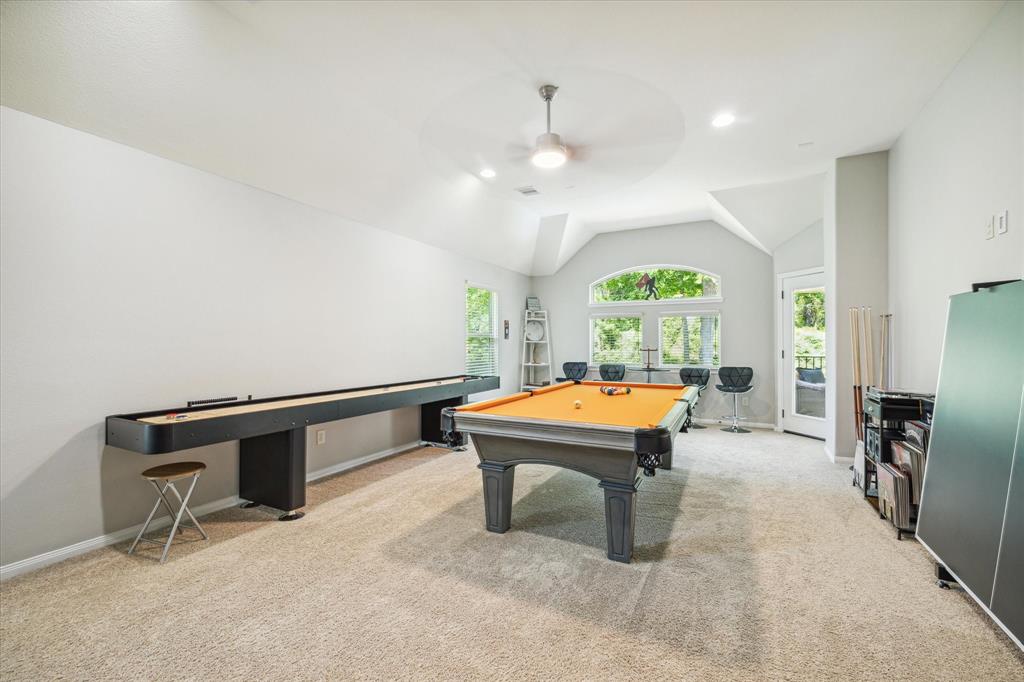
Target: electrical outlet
x=321, y=437
x=990, y=228
x=1003, y=224
x=745, y=401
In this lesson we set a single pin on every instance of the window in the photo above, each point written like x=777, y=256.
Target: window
x=662, y=283
x=481, y=336
x=689, y=339
x=615, y=339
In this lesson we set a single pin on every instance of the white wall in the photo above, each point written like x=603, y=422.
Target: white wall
x=130, y=283
x=828, y=238
x=856, y=262
x=804, y=250
x=746, y=323
x=957, y=164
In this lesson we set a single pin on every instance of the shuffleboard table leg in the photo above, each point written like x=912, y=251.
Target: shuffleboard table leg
x=620, y=518
x=272, y=471
x=499, y=480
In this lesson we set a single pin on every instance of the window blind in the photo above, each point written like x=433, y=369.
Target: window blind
x=690, y=339
x=615, y=339
x=481, y=332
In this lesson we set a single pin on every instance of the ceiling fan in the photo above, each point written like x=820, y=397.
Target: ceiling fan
x=620, y=137
x=549, y=152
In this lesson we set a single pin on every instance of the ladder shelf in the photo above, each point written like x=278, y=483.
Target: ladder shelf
x=536, y=355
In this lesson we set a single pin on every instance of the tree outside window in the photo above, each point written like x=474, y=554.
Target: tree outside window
x=655, y=284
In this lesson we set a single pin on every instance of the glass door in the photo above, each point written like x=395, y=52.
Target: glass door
x=803, y=359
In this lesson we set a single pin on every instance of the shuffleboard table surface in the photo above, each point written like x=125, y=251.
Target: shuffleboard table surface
x=229, y=410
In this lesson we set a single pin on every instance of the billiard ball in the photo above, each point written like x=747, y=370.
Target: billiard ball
x=578, y=404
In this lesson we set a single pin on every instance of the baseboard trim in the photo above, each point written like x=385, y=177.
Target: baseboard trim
x=726, y=422
x=57, y=555
x=359, y=461
x=38, y=561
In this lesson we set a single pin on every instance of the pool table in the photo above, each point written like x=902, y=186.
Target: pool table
x=609, y=437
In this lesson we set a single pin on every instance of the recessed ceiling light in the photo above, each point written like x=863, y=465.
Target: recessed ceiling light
x=722, y=120
x=488, y=173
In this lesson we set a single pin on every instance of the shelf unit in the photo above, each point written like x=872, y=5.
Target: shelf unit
x=891, y=416
x=536, y=355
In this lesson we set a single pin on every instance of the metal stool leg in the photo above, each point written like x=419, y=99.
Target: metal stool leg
x=162, y=493
x=145, y=526
x=177, y=519
x=735, y=427
x=195, y=524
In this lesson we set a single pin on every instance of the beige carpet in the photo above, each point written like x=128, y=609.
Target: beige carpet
x=755, y=560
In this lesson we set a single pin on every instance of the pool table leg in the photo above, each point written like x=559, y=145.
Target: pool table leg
x=666, y=461
x=620, y=518
x=498, y=482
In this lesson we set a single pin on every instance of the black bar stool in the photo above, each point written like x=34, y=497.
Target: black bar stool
x=699, y=377
x=574, y=371
x=168, y=473
x=735, y=380
x=612, y=372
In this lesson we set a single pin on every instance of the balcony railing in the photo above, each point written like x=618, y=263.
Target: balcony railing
x=810, y=361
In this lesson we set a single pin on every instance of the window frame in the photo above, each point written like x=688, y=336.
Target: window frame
x=494, y=326
x=590, y=325
x=670, y=301
x=688, y=313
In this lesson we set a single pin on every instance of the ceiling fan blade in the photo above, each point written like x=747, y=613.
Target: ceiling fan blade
x=517, y=152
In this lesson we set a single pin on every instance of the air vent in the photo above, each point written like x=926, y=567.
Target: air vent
x=527, y=191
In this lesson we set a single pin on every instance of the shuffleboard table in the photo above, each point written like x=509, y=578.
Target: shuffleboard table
x=272, y=431
x=609, y=437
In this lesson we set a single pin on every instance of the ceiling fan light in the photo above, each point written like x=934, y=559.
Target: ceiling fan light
x=549, y=152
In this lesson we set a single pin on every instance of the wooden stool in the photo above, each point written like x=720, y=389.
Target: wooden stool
x=169, y=473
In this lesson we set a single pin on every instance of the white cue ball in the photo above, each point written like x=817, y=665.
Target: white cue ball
x=578, y=404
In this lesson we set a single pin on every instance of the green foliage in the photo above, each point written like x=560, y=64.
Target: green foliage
x=480, y=339
x=809, y=309
x=809, y=341
x=616, y=339
x=809, y=327
x=690, y=340
x=669, y=284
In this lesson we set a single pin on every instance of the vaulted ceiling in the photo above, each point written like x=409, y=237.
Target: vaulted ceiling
x=385, y=112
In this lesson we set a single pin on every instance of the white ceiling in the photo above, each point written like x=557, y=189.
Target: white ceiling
x=383, y=112
x=776, y=211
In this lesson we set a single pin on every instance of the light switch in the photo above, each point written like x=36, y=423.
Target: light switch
x=990, y=228
x=1004, y=222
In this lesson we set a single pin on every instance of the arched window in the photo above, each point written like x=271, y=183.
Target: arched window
x=656, y=283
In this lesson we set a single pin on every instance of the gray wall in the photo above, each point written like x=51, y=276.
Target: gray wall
x=747, y=319
x=957, y=164
x=130, y=282
x=856, y=273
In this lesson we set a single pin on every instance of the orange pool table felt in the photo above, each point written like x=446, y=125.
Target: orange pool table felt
x=644, y=407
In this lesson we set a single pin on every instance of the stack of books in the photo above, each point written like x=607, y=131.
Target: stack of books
x=910, y=459
x=894, y=495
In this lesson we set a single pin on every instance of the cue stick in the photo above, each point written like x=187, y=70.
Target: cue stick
x=855, y=339
x=882, y=383
x=870, y=336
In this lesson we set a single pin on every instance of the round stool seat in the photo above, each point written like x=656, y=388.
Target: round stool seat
x=733, y=389
x=173, y=471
